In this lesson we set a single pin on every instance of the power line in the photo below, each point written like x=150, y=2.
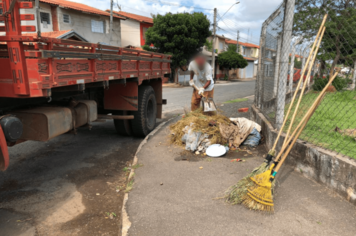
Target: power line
x=233, y=30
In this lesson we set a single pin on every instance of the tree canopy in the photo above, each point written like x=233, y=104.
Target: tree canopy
x=180, y=35
x=231, y=59
x=339, y=39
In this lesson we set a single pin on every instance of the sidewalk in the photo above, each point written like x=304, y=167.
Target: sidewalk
x=173, y=196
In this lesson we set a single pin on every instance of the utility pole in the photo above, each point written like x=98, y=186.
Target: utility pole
x=237, y=41
x=111, y=19
x=213, y=52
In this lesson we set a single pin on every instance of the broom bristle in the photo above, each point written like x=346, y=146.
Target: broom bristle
x=259, y=196
x=236, y=193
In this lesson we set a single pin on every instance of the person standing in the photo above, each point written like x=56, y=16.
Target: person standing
x=201, y=75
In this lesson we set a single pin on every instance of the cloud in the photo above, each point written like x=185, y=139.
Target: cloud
x=247, y=16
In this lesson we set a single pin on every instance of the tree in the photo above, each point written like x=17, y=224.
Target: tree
x=231, y=59
x=209, y=45
x=181, y=35
x=338, y=42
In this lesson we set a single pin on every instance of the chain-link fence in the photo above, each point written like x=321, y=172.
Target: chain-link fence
x=269, y=61
x=333, y=125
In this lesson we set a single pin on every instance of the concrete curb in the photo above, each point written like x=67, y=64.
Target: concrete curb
x=125, y=221
x=335, y=171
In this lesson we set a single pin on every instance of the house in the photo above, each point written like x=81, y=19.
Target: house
x=133, y=28
x=83, y=21
x=250, y=52
x=220, y=43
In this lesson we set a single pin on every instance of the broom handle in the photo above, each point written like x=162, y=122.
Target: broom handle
x=303, y=123
x=297, y=136
x=286, y=140
x=300, y=81
x=306, y=116
x=304, y=85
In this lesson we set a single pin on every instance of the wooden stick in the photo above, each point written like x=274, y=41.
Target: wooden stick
x=298, y=134
x=309, y=113
x=296, y=91
x=304, y=86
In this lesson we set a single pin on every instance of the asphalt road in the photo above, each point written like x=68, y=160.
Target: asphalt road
x=71, y=184
x=179, y=98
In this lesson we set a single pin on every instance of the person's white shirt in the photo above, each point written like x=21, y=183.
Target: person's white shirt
x=202, y=76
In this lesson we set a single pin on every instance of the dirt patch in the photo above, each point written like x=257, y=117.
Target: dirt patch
x=102, y=195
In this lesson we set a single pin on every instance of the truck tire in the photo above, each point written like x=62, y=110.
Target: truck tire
x=145, y=118
x=123, y=126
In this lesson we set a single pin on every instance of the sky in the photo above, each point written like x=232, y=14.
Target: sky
x=247, y=16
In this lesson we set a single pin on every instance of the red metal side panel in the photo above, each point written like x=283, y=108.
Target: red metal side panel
x=122, y=97
x=156, y=69
x=107, y=70
x=145, y=68
x=165, y=68
x=129, y=69
x=4, y=153
x=69, y=72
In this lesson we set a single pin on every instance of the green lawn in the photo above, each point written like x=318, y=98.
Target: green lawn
x=336, y=110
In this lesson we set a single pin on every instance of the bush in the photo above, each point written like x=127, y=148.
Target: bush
x=339, y=83
x=319, y=84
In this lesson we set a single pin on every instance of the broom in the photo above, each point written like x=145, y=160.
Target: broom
x=235, y=193
x=259, y=195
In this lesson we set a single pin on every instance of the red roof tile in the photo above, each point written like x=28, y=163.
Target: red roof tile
x=229, y=41
x=250, y=59
x=51, y=34
x=134, y=16
x=79, y=7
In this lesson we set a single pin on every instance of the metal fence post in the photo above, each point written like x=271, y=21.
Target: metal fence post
x=352, y=86
x=259, y=81
x=276, y=66
x=287, y=36
x=260, y=68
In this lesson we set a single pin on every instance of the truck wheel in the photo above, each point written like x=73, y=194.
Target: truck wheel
x=123, y=126
x=145, y=118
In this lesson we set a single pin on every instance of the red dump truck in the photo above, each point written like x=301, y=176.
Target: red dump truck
x=49, y=86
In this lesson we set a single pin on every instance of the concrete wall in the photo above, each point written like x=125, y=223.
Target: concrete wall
x=335, y=171
x=81, y=23
x=130, y=33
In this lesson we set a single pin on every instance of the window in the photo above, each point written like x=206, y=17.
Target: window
x=45, y=18
x=66, y=18
x=144, y=30
x=1, y=14
x=97, y=26
x=221, y=45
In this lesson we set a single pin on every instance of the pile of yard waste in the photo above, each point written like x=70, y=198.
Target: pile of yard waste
x=198, y=130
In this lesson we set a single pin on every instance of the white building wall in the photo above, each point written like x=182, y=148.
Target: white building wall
x=130, y=33
x=81, y=23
